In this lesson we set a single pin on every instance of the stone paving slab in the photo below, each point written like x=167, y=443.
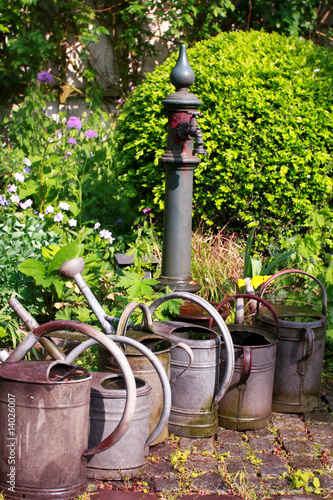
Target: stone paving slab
x=253, y=465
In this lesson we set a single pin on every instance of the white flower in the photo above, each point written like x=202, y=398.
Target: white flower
x=27, y=162
x=58, y=217
x=72, y=222
x=111, y=240
x=316, y=70
x=12, y=188
x=105, y=234
x=49, y=209
x=63, y=206
x=26, y=204
x=97, y=225
x=15, y=198
x=19, y=177
x=41, y=216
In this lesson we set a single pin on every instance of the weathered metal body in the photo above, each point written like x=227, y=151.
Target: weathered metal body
x=195, y=388
x=143, y=369
x=128, y=457
x=179, y=162
x=300, y=352
x=247, y=404
x=47, y=442
x=43, y=451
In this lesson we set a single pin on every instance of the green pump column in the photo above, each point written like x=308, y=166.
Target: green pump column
x=179, y=162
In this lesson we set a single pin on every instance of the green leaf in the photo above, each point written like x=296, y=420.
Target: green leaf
x=33, y=267
x=65, y=253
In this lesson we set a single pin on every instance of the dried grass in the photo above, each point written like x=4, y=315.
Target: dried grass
x=217, y=263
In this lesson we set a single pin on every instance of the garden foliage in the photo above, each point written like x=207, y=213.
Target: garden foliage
x=267, y=126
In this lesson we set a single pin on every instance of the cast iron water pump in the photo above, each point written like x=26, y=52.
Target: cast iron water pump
x=179, y=161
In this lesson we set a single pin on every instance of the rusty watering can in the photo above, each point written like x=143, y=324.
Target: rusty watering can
x=127, y=457
x=141, y=364
x=247, y=404
x=195, y=388
x=44, y=410
x=300, y=350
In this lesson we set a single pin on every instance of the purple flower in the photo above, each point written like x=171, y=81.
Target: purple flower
x=63, y=206
x=72, y=222
x=97, y=225
x=19, y=177
x=72, y=141
x=3, y=201
x=132, y=88
x=27, y=170
x=120, y=101
x=44, y=77
x=90, y=134
x=58, y=217
x=74, y=122
x=119, y=221
x=12, y=188
x=49, y=209
x=146, y=210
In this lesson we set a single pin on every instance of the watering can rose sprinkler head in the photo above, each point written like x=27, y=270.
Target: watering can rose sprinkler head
x=72, y=269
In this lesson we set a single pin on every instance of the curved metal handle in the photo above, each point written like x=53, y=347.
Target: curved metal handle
x=297, y=271
x=53, y=326
x=252, y=297
x=123, y=321
x=309, y=351
x=247, y=365
x=148, y=325
x=227, y=376
x=156, y=364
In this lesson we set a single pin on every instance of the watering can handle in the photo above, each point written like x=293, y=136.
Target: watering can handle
x=156, y=364
x=227, y=377
x=297, y=271
x=148, y=325
x=310, y=335
x=53, y=326
x=247, y=364
x=252, y=297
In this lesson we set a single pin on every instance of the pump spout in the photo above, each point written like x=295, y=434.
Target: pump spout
x=186, y=130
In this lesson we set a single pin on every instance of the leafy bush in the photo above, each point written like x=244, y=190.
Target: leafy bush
x=267, y=126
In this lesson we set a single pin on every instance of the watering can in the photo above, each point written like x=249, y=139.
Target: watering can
x=300, y=350
x=195, y=387
x=247, y=404
x=44, y=409
x=127, y=457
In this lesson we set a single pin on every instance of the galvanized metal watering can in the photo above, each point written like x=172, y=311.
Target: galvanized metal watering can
x=195, y=387
x=44, y=409
x=247, y=404
x=127, y=457
x=300, y=350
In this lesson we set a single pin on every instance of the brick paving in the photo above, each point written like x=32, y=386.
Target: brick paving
x=252, y=465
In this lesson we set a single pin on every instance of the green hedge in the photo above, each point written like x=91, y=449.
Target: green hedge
x=267, y=126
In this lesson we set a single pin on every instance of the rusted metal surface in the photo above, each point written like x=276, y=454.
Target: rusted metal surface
x=52, y=419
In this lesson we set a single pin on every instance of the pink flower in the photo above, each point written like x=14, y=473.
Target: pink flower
x=90, y=134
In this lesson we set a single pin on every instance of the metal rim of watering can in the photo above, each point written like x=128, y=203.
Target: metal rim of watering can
x=156, y=364
x=297, y=271
x=227, y=376
x=251, y=297
x=129, y=410
x=247, y=350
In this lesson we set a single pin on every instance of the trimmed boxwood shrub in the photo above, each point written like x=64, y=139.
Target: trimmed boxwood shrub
x=267, y=125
